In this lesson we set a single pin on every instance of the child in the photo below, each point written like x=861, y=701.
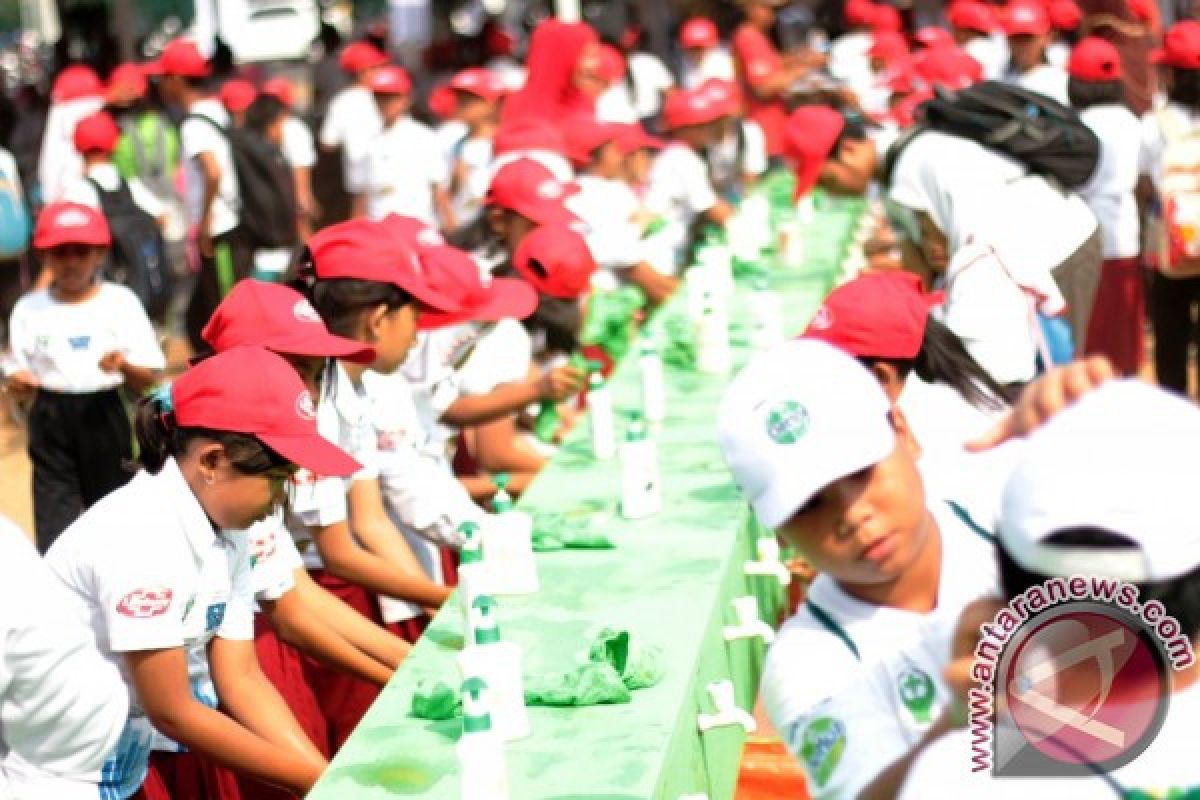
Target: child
x=1173, y=297
x=1117, y=325
x=300, y=152
x=237, y=95
x=823, y=150
x=353, y=120
x=738, y=157
x=405, y=172
x=848, y=61
x=76, y=93
x=823, y=459
x=96, y=138
x=766, y=76
x=1028, y=27
x=477, y=94
x=73, y=345
x=973, y=24
x=63, y=704
x=680, y=189
x=703, y=56
x=167, y=594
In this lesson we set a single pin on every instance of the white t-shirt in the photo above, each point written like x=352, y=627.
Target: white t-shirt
x=651, y=79
x=1109, y=192
x=81, y=190
x=849, y=62
x=449, y=134
x=62, y=705
x=716, y=62
x=59, y=163
x=1154, y=140
x=273, y=558
x=680, y=190
x=1167, y=768
x=616, y=105
x=62, y=343
x=403, y=166
x=146, y=571
x=198, y=136
x=431, y=370
x=351, y=123
x=502, y=355
x=475, y=155
x=299, y=147
x=724, y=157
x=991, y=53
x=1044, y=78
x=608, y=207
x=843, y=715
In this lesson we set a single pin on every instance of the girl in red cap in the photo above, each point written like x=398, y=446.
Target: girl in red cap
x=166, y=588
x=703, y=56
x=73, y=346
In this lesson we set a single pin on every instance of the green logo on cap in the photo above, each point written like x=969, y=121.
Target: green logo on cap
x=787, y=422
x=821, y=747
x=916, y=692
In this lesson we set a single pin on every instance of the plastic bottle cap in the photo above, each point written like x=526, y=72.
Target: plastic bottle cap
x=595, y=381
x=472, y=549
x=501, y=500
x=636, y=431
x=483, y=620
x=477, y=713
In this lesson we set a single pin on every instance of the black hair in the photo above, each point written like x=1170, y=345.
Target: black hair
x=1085, y=94
x=559, y=320
x=265, y=110
x=339, y=301
x=853, y=129
x=1179, y=596
x=159, y=438
x=943, y=358
x=1185, y=87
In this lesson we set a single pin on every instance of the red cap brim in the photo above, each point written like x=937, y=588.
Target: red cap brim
x=319, y=344
x=312, y=452
x=506, y=299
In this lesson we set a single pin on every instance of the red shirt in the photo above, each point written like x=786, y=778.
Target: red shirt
x=757, y=59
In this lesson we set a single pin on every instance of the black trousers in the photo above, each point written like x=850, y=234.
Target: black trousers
x=231, y=255
x=80, y=446
x=1173, y=307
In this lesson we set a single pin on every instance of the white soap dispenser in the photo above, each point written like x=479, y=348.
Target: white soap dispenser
x=483, y=773
x=641, y=495
x=498, y=663
x=508, y=545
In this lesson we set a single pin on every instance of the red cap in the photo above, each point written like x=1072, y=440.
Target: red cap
x=127, y=79
x=70, y=223
x=901, y=77
x=888, y=46
x=584, y=134
x=390, y=80
x=441, y=101
x=529, y=189
x=251, y=390
x=1181, y=46
x=358, y=56
x=698, y=33
x=498, y=41
x=457, y=275
x=877, y=315
x=808, y=139
x=237, y=95
x=367, y=251
x=280, y=319
x=904, y=112
x=281, y=89
x=1065, y=15
x=971, y=16
x=886, y=18
x=949, y=67
x=1026, y=17
x=1142, y=10
x=684, y=108
x=180, y=57
x=556, y=261
x=610, y=66
x=724, y=93
x=530, y=134
x=1094, y=59
x=479, y=82
x=934, y=37
x=96, y=133
x=74, y=82
x=859, y=13
x=634, y=137
x=415, y=233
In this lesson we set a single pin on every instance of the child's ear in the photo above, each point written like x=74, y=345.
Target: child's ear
x=497, y=221
x=374, y=321
x=904, y=434
x=889, y=378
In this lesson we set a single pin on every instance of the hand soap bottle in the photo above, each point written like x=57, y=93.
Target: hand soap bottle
x=472, y=571
x=600, y=418
x=650, y=368
x=508, y=545
x=640, y=493
x=498, y=663
x=483, y=773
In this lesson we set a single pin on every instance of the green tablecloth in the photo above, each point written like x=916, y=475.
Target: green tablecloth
x=670, y=582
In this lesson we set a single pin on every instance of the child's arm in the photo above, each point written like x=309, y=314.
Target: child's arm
x=359, y=631
x=444, y=207
x=719, y=213
x=138, y=379
x=351, y=562
x=212, y=181
x=557, y=384
x=481, y=488
x=374, y=528
x=314, y=635
x=160, y=681
x=656, y=286
x=497, y=449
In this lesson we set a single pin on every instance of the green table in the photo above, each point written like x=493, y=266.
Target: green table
x=670, y=582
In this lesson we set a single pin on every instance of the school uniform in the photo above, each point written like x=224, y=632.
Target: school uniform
x=59, y=163
x=79, y=432
x=850, y=61
x=1118, y=316
x=607, y=208
x=83, y=191
x=741, y=152
x=680, y=190
x=852, y=686
x=350, y=124
x=299, y=148
x=145, y=570
x=1045, y=79
x=650, y=79
x=992, y=54
x=475, y=156
x=62, y=705
x=716, y=62
x=403, y=167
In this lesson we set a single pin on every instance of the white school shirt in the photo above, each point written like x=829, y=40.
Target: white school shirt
x=431, y=370
x=146, y=571
x=1110, y=190
x=449, y=134
x=1045, y=79
x=991, y=53
x=1154, y=140
x=607, y=207
x=273, y=558
x=59, y=162
x=351, y=122
x=615, y=105
x=502, y=355
x=680, y=190
x=62, y=705
x=81, y=190
x=849, y=61
x=343, y=418
x=716, y=62
x=403, y=166
x=818, y=694
x=62, y=343
x=476, y=157
x=197, y=136
x=651, y=79
x=299, y=147
x=1167, y=768
x=724, y=154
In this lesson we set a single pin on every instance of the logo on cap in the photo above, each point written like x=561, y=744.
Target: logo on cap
x=71, y=218
x=550, y=189
x=822, y=320
x=787, y=422
x=304, y=312
x=304, y=406
x=428, y=237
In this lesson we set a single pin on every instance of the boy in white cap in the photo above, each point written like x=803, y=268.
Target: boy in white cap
x=1073, y=507
x=823, y=459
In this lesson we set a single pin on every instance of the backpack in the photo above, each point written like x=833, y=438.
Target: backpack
x=139, y=255
x=1175, y=239
x=151, y=165
x=14, y=216
x=1041, y=133
x=265, y=187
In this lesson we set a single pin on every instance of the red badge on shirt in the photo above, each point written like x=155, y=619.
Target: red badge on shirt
x=261, y=548
x=144, y=603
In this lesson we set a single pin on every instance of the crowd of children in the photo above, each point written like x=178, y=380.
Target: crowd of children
x=234, y=556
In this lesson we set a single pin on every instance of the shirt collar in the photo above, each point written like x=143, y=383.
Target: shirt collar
x=197, y=528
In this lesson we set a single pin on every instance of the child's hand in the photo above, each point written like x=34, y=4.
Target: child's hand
x=962, y=646
x=21, y=384
x=112, y=362
x=560, y=383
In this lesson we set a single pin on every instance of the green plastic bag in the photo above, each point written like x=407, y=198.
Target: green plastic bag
x=609, y=321
x=591, y=684
x=559, y=532
x=436, y=700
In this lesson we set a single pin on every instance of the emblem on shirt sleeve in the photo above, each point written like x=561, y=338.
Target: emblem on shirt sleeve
x=916, y=693
x=214, y=617
x=262, y=547
x=145, y=603
x=821, y=748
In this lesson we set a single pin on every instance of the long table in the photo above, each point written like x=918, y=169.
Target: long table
x=670, y=582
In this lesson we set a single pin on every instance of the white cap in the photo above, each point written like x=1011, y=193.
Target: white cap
x=1122, y=459
x=797, y=418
